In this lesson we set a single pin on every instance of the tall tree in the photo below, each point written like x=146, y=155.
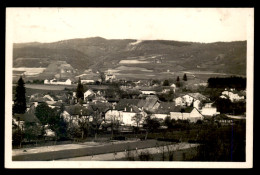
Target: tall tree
x=31, y=131
x=80, y=91
x=184, y=77
x=20, y=100
x=178, y=84
x=137, y=118
x=102, y=77
x=150, y=124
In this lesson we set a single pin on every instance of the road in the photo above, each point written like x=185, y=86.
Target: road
x=135, y=153
x=80, y=150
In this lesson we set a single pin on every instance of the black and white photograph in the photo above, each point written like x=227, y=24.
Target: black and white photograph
x=129, y=87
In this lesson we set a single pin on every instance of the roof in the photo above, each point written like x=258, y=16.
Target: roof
x=74, y=109
x=148, y=103
x=63, y=80
x=165, y=108
x=126, y=103
x=27, y=117
x=182, y=110
x=62, y=97
x=149, y=88
x=102, y=107
x=197, y=96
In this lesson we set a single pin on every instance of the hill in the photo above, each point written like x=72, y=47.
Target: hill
x=158, y=55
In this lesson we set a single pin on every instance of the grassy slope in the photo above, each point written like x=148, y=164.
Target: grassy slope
x=98, y=52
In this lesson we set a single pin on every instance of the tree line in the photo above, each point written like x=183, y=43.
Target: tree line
x=227, y=82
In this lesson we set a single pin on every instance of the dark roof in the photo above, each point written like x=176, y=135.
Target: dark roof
x=148, y=103
x=182, y=109
x=102, y=107
x=112, y=100
x=126, y=103
x=74, y=109
x=62, y=80
x=165, y=108
x=27, y=117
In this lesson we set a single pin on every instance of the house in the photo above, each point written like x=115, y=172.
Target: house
x=29, y=116
x=128, y=109
x=58, y=82
x=110, y=77
x=74, y=113
x=89, y=77
x=209, y=110
x=189, y=113
x=112, y=115
x=88, y=93
x=191, y=99
x=163, y=110
x=234, y=97
x=148, y=90
x=150, y=103
x=48, y=97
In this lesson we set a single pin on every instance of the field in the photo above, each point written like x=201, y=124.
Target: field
x=30, y=71
x=49, y=87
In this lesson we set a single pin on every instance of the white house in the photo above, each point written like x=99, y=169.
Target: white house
x=189, y=113
x=48, y=97
x=125, y=115
x=232, y=96
x=58, y=82
x=88, y=93
x=148, y=92
x=189, y=99
x=109, y=77
x=209, y=110
x=46, y=81
x=178, y=101
x=87, y=81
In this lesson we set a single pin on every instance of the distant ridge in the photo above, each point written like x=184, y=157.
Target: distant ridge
x=101, y=53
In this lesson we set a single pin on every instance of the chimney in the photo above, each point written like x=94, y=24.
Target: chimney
x=125, y=108
x=131, y=109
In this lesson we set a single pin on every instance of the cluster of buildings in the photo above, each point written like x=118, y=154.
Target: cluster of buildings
x=188, y=106
x=233, y=95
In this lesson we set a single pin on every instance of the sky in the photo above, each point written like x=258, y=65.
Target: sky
x=181, y=24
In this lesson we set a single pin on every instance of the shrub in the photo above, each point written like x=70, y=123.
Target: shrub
x=145, y=156
x=169, y=140
x=119, y=138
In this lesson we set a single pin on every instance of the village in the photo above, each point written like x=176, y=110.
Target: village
x=96, y=106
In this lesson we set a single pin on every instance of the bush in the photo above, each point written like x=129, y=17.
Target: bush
x=145, y=156
x=226, y=143
x=169, y=140
x=119, y=138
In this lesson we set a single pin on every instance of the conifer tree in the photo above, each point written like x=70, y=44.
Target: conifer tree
x=80, y=91
x=20, y=100
x=178, y=84
x=185, y=77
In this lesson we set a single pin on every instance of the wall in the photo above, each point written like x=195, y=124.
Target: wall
x=208, y=111
x=195, y=115
x=127, y=118
x=159, y=116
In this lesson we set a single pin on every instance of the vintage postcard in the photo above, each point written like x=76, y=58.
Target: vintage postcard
x=129, y=87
